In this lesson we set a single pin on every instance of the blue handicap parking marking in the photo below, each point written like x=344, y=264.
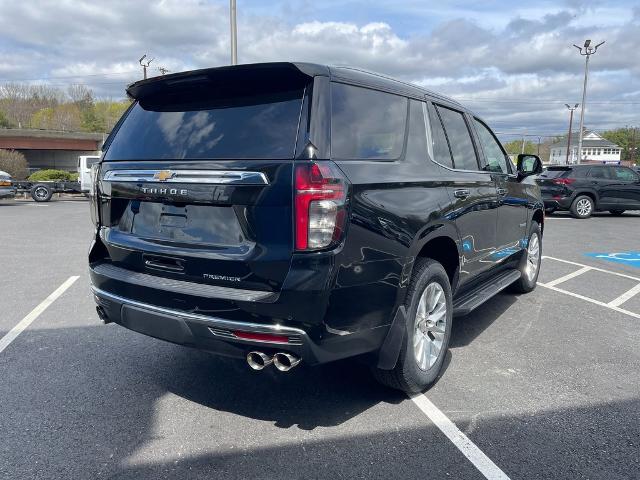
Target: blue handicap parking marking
x=627, y=258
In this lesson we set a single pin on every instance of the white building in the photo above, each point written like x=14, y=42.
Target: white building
x=595, y=149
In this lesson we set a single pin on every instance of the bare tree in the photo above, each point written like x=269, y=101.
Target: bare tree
x=14, y=164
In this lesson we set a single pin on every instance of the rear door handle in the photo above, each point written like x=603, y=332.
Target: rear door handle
x=462, y=193
x=502, y=192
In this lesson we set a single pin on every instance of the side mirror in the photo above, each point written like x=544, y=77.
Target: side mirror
x=529, y=165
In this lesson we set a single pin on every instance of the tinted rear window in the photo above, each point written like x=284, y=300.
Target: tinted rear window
x=464, y=154
x=366, y=124
x=207, y=126
x=553, y=173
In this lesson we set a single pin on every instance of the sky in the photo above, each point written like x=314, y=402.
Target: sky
x=513, y=65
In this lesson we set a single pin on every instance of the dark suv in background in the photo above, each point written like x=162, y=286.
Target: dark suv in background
x=293, y=212
x=584, y=189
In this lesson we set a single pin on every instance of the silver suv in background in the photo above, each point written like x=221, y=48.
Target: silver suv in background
x=7, y=189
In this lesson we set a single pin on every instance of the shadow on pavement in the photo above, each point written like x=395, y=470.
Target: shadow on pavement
x=306, y=397
x=465, y=329
x=100, y=402
x=595, y=441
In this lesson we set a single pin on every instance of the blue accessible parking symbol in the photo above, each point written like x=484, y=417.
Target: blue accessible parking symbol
x=627, y=258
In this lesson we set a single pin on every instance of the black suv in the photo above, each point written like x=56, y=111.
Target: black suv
x=584, y=189
x=291, y=212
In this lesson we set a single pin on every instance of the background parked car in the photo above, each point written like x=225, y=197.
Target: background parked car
x=583, y=189
x=7, y=189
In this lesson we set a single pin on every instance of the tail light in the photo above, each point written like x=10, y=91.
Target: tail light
x=320, y=201
x=563, y=181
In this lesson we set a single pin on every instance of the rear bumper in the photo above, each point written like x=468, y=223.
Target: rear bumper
x=217, y=334
x=561, y=203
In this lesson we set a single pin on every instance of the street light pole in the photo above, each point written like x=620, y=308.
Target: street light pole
x=588, y=51
x=234, y=32
x=571, y=109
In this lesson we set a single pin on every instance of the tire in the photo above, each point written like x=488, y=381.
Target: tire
x=430, y=281
x=582, y=207
x=530, y=262
x=616, y=212
x=41, y=192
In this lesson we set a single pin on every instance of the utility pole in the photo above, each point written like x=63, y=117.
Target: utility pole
x=571, y=109
x=632, y=147
x=523, y=135
x=163, y=71
x=145, y=65
x=588, y=51
x=234, y=32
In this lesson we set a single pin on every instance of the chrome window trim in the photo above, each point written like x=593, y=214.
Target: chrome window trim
x=429, y=136
x=211, y=321
x=211, y=177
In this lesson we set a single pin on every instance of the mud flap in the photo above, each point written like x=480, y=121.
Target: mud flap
x=392, y=344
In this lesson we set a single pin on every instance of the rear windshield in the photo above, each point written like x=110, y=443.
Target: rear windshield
x=555, y=173
x=197, y=124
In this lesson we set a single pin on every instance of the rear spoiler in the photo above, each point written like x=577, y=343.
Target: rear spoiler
x=265, y=72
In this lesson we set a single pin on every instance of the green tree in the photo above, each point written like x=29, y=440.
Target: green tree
x=66, y=117
x=110, y=112
x=514, y=147
x=628, y=139
x=4, y=121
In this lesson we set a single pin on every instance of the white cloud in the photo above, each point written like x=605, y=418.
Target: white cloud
x=523, y=54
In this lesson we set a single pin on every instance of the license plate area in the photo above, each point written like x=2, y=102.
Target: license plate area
x=180, y=223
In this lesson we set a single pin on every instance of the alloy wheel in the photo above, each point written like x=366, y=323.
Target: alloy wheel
x=583, y=207
x=533, y=257
x=430, y=326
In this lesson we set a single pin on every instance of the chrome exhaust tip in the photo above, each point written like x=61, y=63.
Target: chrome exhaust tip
x=102, y=314
x=285, y=361
x=258, y=360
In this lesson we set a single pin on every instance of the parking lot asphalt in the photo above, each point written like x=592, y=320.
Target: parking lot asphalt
x=545, y=384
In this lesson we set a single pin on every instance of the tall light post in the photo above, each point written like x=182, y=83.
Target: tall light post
x=234, y=32
x=571, y=109
x=588, y=51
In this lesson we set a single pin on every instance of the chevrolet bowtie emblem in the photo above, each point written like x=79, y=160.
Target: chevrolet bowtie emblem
x=163, y=175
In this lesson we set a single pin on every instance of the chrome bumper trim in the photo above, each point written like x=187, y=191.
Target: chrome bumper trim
x=209, y=321
x=182, y=286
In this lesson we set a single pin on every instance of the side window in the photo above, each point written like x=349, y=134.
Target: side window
x=496, y=158
x=366, y=124
x=626, y=174
x=462, y=150
x=598, y=172
x=417, y=140
x=441, y=152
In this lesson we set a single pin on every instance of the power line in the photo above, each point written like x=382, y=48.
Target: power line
x=68, y=77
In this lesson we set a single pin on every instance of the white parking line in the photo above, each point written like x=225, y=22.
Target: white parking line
x=616, y=302
x=637, y=279
x=35, y=313
x=469, y=449
x=591, y=300
x=569, y=276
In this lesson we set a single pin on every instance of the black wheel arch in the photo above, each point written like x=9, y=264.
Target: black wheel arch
x=589, y=193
